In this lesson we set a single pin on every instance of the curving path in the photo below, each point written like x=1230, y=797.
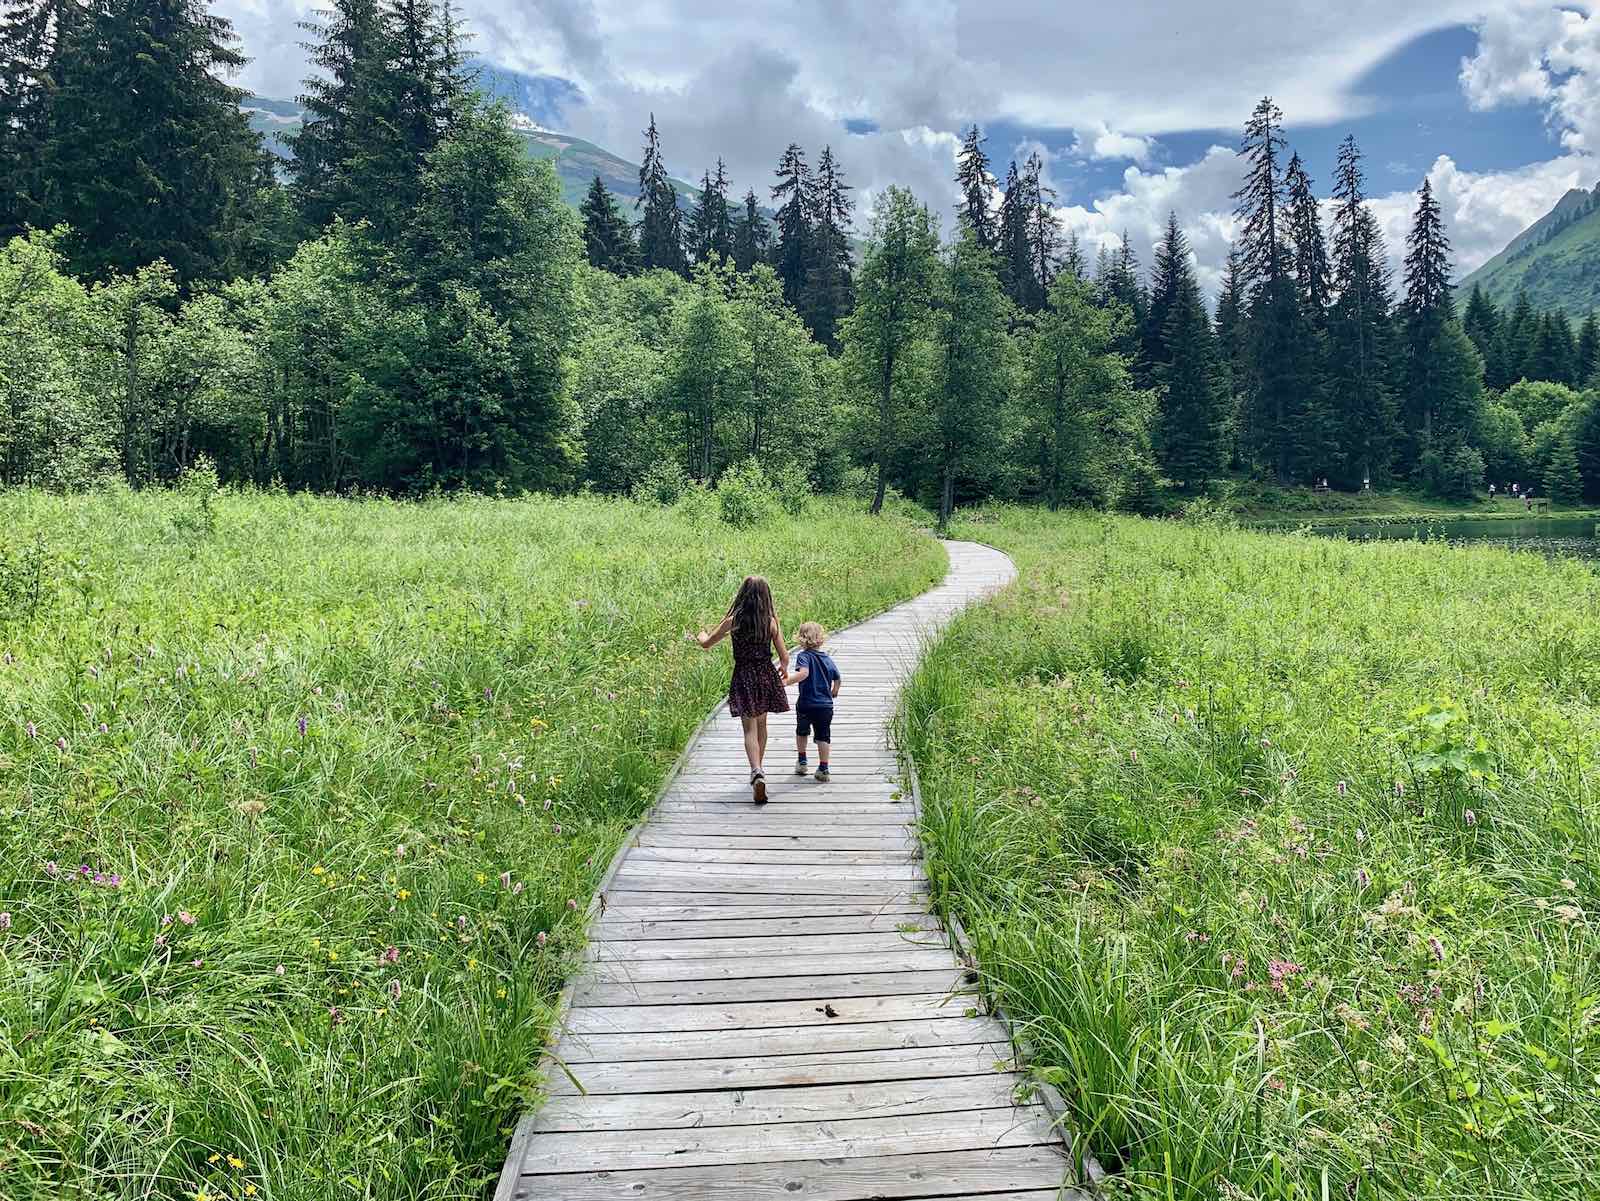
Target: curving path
x=769, y=1010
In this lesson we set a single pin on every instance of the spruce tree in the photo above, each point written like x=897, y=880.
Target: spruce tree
x=1563, y=483
x=1481, y=321
x=1044, y=232
x=661, y=223
x=1016, y=260
x=792, y=256
x=1122, y=287
x=827, y=295
x=711, y=222
x=1428, y=308
x=1589, y=353
x=1359, y=344
x=145, y=152
x=1277, y=332
x=1190, y=381
x=1520, y=331
x=30, y=31
x=752, y=238
x=607, y=236
x=976, y=211
x=1313, y=293
x=1072, y=261
x=1171, y=264
x=1233, y=351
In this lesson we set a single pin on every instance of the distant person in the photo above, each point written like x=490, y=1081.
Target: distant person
x=818, y=677
x=757, y=686
x=1491, y=491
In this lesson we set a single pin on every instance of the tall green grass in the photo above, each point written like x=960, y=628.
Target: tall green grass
x=1286, y=851
x=303, y=800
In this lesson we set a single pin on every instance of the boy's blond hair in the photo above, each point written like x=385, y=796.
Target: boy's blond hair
x=810, y=635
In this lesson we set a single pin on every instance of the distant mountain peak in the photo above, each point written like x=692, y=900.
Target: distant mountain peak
x=1556, y=260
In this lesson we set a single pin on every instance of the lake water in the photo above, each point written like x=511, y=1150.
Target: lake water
x=1570, y=536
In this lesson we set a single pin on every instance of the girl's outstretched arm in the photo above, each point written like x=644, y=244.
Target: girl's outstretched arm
x=707, y=641
x=798, y=677
x=777, y=638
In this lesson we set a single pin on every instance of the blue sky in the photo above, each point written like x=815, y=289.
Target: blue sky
x=1136, y=106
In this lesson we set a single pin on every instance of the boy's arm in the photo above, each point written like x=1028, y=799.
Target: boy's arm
x=707, y=641
x=837, y=680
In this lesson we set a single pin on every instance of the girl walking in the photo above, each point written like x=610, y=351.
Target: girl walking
x=757, y=685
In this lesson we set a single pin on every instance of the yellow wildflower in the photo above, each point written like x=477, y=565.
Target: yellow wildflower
x=214, y=1157
x=403, y=894
x=235, y=1163
x=482, y=879
x=319, y=870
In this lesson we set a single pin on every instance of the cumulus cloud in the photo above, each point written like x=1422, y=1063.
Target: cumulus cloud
x=1536, y=52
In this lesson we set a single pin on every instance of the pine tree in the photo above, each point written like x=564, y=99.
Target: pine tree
x=1122, y=287
x=1072, y=261
x=607, y=236
x=1428, y=308
x=1563, y=483
x=976, y=210
x=1277, y=332
x=1233, y=351
x=145, y=153
x=752, y=238
x=1481, y=321
x=1589, y=353
x=793, y=254
x=1171, y=264
x=711, y=222
x=1311, y=270
x=827, y=296
x=1520, y=331
x=1044, y=232
x=1190, y=381
x=1359, y=344
x=661, y=223
x=1554, y=355
x=1016, y=259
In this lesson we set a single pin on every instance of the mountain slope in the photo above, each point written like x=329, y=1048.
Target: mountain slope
x=1556, y=260
x=577, y=161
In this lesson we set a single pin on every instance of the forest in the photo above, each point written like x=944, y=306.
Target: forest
x=405, y=305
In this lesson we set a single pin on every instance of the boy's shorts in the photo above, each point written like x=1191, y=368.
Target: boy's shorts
x=820, y=719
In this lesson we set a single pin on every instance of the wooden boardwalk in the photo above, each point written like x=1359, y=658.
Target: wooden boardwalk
x=769, y=1010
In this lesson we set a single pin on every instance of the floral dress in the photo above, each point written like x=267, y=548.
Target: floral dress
x=756, y=687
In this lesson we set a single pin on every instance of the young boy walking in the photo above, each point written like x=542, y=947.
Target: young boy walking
x=818, y=677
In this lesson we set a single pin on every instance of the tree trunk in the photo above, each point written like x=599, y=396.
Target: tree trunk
x=947, y=497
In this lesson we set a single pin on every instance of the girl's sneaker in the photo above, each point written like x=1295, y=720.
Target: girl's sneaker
x=758, y=785
x=822, y=776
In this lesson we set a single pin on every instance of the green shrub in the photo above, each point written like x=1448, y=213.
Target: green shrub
x=663, y=483
x=744, y=495
x=196, y=493
x=791, y=487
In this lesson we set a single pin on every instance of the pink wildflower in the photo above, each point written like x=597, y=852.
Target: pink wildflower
x=334, y=1016
x=278, y=971
x=197, y=963
x=1470, y=818
x=394, y=989
x=33, y=730
x=166, y=920
x=392, y=955
x=161, y=940
x=1362, y=879
x=1436, y=947
x=1399, y=788
x=516, y=889
x=1341, y=787
x=186, y=917
x=542, y=938
x=104, y=728
x=400, y=851
x=461, y=922
x=1196, y=936
x=5, y=920
x=1282, y=970
x=505, y=879
x=572, y=905
x=51, y=869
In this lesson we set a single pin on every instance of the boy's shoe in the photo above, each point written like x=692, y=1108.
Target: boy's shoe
x=822, y=776
x=800, y=767
x=758, y=784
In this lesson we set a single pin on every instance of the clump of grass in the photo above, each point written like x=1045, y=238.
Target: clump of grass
x=300, y=817
x=1286, y=850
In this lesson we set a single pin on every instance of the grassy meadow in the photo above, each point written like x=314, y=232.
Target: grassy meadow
x=1286, y=851
x=304, y=800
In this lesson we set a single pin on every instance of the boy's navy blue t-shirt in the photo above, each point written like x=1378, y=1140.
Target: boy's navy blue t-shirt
x=816, y=690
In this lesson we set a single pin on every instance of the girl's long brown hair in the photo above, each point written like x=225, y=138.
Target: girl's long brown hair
x=752, y=606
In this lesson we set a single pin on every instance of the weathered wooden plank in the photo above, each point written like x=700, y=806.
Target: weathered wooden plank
x=624, y=1150
x=600, y=988
x=643, y=863
x=756, y=1107
x=935, y=1030
x=628, y=901
x=781, y=948
x=616, y=928
x=749, y=889
x=797, y=857
x=948, y=1175
x=778, y=1071
x=891, y=842
x=621, y=967
x=823, y=1011
x=800, y=909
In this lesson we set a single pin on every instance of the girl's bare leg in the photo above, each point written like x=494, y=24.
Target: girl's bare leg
x=754, y=728
x=761, y=727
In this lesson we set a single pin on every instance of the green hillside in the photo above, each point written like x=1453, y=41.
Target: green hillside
x=1556, y=260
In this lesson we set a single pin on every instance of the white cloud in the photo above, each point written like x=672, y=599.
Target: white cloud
x=1102, y=142
x=1535, y=52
